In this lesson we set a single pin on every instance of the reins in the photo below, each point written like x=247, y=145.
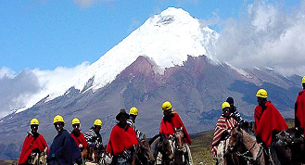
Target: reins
x=244, y=155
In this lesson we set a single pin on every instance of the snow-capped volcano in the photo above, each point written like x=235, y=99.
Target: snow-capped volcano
x=167, y=39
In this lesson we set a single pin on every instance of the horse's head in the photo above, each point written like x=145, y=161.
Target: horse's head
x=235, y=138
x=43, y=157
x=165, y=147
x=143, y=149
x=179, y=135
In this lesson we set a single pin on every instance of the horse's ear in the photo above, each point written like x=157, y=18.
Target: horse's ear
x=144, y=137
x=45, y=150
x=238, y=126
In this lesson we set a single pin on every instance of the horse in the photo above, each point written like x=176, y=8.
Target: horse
x=143, y=154
x=290, y=144
x=161, y=149
x=38, y=157
x=245, y=146
x=93, y=154
x=182, y=154
x=171, y=150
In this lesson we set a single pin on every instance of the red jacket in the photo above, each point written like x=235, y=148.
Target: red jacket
x=80, y=139
x=267, y=121
x=30, y=143
x=300, y=110
x=121, y=139
x=175, y=122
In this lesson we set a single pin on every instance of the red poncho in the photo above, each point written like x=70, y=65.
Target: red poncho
x=223, y=123
x=300, y=110
x=175, y=122
x=30, y=143
x=267, y=121
x=80, y=139
x=121, y=139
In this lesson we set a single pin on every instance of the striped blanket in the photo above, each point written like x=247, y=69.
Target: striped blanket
x=223, y=123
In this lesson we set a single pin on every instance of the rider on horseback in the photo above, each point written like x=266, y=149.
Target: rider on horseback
x=133, y=113
x=64, y=149
x=122, y=140
x=77, y=135
x=224, y=125
x=94, y=138
x=234, y=111
x=268, y=122
x=170, y=123
x=300, y=109
x=32, y=141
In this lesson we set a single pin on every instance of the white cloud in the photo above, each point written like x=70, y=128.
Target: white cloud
x=4, y=71
x=29, y=86
x=268, y=36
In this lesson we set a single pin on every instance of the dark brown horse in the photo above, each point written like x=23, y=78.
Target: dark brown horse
x=160, y=145
x=143, y=154
x=290, y=140
x=245, y=146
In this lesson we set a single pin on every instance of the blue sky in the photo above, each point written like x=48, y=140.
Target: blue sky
x=46, y=34
x=44, y=43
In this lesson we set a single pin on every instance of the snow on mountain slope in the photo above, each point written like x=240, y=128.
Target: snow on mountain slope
x=166, y=39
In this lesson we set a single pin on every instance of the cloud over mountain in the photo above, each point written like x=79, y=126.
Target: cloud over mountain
x=267, y=35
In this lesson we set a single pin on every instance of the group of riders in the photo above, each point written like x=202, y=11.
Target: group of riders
x=68, y=148
x=268, y=123
x=75, y=147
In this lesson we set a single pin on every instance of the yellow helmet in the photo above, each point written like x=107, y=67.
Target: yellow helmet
x=75, y=121
x=98, y=122
x=262, y=93
x=225, y=105
x=303, y=80
x=58, y=118
x=34, y=121
x=133, y=111
x=166, y=106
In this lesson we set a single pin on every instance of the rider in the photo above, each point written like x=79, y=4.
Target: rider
x=268, y=122
x=93, y=136
x=64, y=149
x=133, y=113
x=233, y=110
x=32, y=141
x=224, y=125
x=77, y=135
x=122, y=140
x=300, y=109
x=171, y=121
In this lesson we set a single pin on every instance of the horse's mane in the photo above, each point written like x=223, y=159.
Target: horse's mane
x=153, y=139
x=247, y=126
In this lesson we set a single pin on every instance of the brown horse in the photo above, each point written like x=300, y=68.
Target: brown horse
x=161, y=149
x=38, y=157
x=143, y=154
x=182, y=154
x=246, y=147
x=92, y=154
x=290, y=140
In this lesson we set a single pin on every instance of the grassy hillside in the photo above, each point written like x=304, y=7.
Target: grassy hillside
x=200, y=148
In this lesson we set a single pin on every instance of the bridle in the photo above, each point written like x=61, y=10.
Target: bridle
x=244, y=155
x=139, y=150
